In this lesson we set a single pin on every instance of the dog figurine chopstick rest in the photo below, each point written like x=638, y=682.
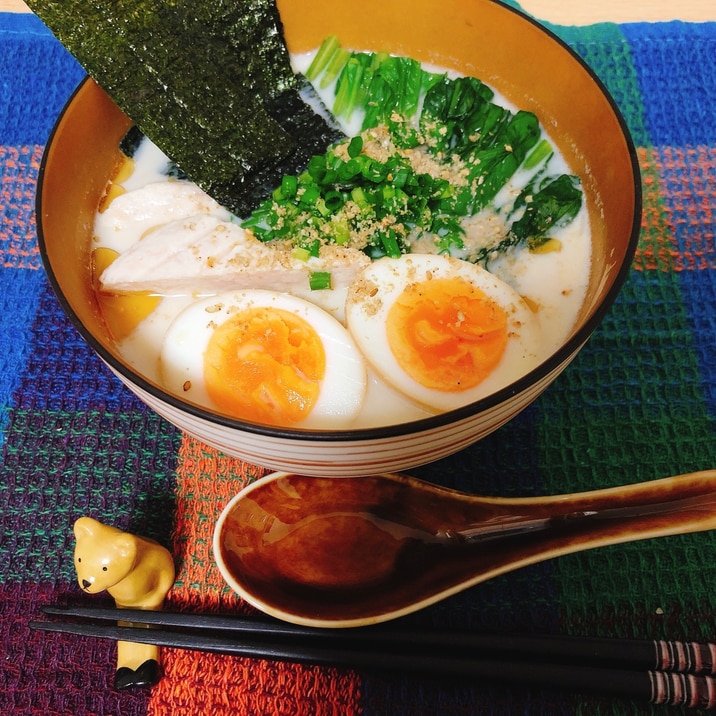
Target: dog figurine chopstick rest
x=137, y=572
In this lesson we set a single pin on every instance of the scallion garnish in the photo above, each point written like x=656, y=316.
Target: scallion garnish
x=370, y=192
x=319, y=280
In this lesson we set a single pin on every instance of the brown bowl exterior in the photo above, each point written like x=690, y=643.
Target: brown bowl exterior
x=522, y=60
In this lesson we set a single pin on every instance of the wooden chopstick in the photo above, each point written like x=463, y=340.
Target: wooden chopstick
x=570, y=663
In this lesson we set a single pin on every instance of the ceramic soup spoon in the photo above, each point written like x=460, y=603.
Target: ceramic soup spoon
x=343, y=552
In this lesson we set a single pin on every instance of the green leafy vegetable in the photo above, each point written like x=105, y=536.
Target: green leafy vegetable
x=432, y=151
x=540, y=153
x=555, y=203
x=326, y=51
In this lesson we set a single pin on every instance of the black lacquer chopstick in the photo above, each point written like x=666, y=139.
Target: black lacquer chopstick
x=397, y=650
x=657, y=655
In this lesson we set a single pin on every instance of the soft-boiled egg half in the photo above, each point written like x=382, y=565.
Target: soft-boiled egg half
x=266, y=357
x=442, y=331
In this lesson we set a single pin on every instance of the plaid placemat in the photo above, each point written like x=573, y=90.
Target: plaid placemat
x=638, y=403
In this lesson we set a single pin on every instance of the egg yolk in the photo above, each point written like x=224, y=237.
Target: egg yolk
x=265, y=364
x=122, y=312
x=447, y=334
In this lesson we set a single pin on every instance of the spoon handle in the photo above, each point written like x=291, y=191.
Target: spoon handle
x=669, y=506
x=575, y=520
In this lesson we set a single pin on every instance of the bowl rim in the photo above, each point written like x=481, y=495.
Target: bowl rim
x=562, y=355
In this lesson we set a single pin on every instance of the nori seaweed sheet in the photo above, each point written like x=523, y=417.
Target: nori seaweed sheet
x=210, y=83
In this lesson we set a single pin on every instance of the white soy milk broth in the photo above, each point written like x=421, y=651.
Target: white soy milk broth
x=150, y=166
x=554, y=283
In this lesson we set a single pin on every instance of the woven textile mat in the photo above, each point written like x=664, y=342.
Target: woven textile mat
x=638, y=403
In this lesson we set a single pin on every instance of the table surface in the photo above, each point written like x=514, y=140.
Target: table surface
x=638, y=403
x=576, y=12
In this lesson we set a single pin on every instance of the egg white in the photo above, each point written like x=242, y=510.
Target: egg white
x=343, y=386
x=380, y=284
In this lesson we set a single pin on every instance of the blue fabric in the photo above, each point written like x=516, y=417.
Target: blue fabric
x=29, y=51
x=674, y=64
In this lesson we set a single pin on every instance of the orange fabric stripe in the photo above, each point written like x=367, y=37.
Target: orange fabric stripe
x=657, y=249
x=683, y=175
x=196, y=683
x=688, y=175
x=19, y=166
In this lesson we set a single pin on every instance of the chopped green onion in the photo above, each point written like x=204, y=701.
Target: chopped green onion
x=310, y=195
x=390, y=244
x=338, y=199
x=317, y=168
x=319, y=280
x=348, y=170
x=301, y=253
x=360, y=197
x=289, y=186
x=322, y=208
x=400, y=178
x=334, y=201
x=375, y=171
x=355, y=146
x=341, y=232
x=313, y=247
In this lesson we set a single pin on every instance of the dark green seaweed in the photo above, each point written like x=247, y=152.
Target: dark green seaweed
x=209, y=83
x=131, y=141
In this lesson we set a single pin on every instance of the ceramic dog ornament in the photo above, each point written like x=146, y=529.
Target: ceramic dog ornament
x=137, y=572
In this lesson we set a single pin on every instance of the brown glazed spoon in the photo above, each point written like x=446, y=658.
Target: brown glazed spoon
x=350, y=551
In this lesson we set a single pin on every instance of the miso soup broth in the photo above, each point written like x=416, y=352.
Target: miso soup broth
x=169, y=230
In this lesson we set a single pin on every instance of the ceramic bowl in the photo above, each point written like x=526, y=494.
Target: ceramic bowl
x=523, y=61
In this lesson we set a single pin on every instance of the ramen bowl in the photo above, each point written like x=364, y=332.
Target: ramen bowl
x=525, y=63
